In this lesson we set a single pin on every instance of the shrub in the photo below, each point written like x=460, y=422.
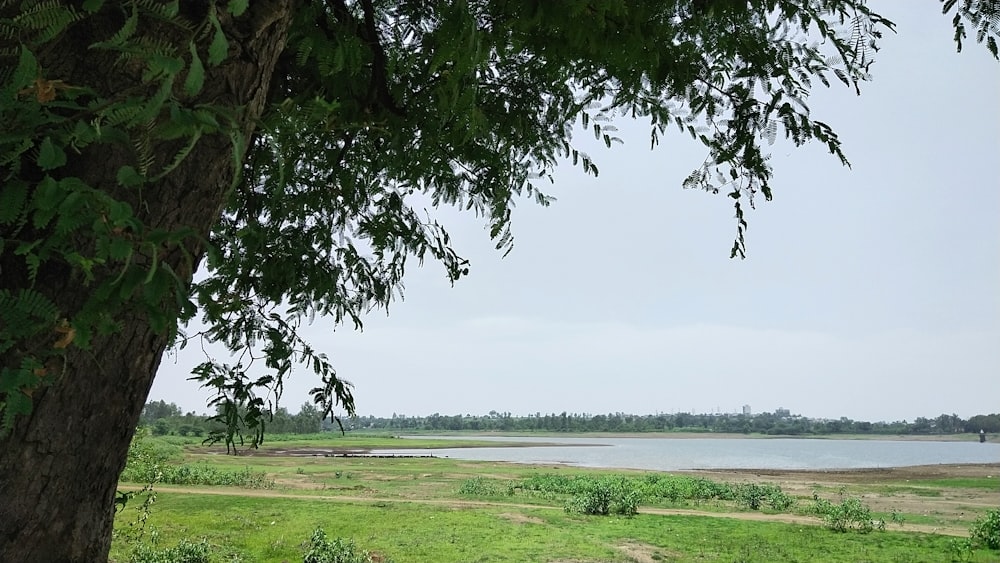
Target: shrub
x=608, y=495
x=754, y=496
x=986, y=529
x=626, y=503
x=596, y=501
x=338, y=550
x=750, y=495
x=779, y=500
x=850, y=514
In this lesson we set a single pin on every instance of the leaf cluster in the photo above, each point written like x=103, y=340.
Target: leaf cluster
x=377, y=112
x=60, y=230
x=380, y=111
x=982, y=15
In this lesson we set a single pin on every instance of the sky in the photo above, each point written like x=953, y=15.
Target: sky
x=871, y=292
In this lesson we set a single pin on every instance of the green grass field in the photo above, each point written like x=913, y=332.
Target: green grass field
x=413, y=510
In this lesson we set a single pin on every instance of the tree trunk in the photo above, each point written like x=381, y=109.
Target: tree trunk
x=59, y=466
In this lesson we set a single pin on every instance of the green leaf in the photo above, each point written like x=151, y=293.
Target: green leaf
x=128, y=177
x=93, y=5
x=219, y=47
x=196, y=73
x=237, y=7
x=72, y=204
x=26, y=71
x=12, y=198
x=119, y=249
x=119, y=211
x=47, y=194
x=50, y=156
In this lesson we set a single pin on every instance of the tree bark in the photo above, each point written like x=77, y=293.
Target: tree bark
x=59, y=466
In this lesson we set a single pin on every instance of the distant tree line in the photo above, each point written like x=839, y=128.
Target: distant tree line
x=167, y=418
x=763, y=423
x=164, y=418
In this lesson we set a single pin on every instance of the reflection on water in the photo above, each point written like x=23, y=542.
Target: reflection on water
x=666, y=454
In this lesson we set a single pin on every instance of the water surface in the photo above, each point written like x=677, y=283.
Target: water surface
x=673, y=454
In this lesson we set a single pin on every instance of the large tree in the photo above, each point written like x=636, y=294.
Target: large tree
x=286, y=148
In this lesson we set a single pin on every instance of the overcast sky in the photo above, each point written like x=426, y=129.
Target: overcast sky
x=871, y=293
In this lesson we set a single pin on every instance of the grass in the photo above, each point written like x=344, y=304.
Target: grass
x=989, y=483
x=411, y=510
x=890, y=490
x=255, y=529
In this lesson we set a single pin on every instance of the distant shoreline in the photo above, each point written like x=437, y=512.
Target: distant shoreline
x=963, y=437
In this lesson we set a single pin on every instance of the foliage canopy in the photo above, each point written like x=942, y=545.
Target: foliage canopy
x=374, y=111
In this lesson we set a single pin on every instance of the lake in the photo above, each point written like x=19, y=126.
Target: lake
x=673, y=454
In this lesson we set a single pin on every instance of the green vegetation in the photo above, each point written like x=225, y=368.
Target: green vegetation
x=984, y=534
x=272, y=529
x=986, y=529
x=988, y=483
x=777, y=423
x=291, y=148
x=850, y=514
x=594, y=493
x=184, y=552
x=337, y=550
x=149, y=461
x=431, y=509
x=165, y=419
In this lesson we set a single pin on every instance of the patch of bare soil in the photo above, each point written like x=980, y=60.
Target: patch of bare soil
x=519, y=518
x=294, y=482
x=645, y=553
x=898, y=488
x=291, y=452
x=866, y=476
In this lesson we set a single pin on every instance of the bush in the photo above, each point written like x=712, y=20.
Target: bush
x=596, y=501
x=608, y=495
x=754, y=496
x=779, y=500
x=750, y=495
x=986, y=529
x=184, y=552
x=850, y=514
x=337, y=550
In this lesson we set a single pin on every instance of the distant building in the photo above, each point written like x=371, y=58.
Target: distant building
x=746, y=410
x=782, y=412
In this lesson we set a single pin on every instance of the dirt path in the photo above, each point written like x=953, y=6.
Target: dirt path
x=752, y=516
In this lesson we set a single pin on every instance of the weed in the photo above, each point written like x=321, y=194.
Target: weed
x=851, y=514
x=961, y=549
x=480, y=486
x=149, y=471
x=609, y=495
x=184, y=552
x=986, y=529
x=753, y=496
x=337, y=550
